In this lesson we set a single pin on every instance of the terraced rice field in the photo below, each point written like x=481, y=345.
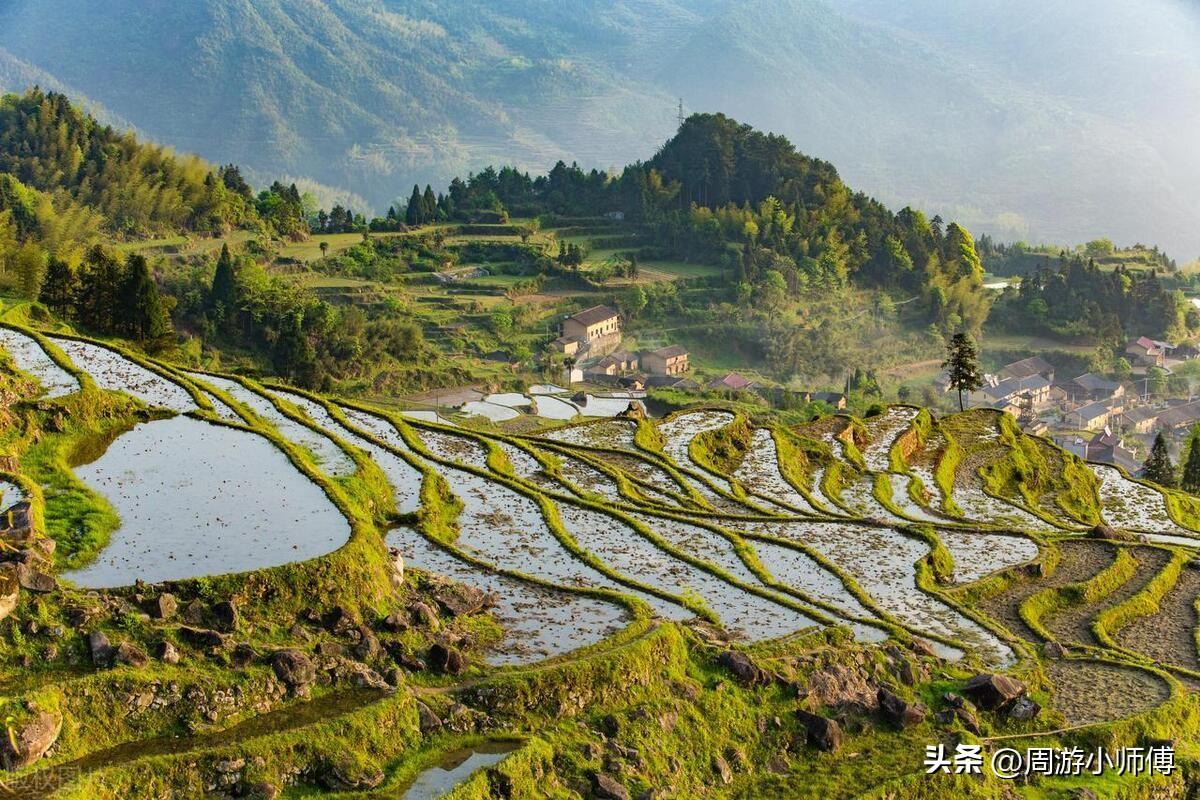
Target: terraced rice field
x=594, y=528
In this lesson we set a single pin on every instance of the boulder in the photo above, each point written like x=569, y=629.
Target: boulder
x=166, y=652
x=201, y=637
x=1082, y=793
x=35, y=580
x=226, y=615
x=396, y=623
x=721, y=767
x=1024, y=708
x=130, y=655
x=823, y=733
x=164, y=606
x=842, y=687
x=427, y=720
x=1110, y=534
x=100, y=649
x=1054, y=650
x=446, y=659
x=606, y=787
x=194, y=613
x=344, y=774
x=29, y=741
x=422, y=615
x=293, y=668
x=993, y=692
x=340, y=622
x=898, y=711
x=459, y=600
x=243, y=655
x=744, y=670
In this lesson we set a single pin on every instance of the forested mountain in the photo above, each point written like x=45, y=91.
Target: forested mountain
x=1001, y=118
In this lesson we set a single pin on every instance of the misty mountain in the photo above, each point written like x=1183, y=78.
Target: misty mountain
x=1046, y=121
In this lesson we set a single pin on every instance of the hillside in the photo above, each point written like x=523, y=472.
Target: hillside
x=1013, y=133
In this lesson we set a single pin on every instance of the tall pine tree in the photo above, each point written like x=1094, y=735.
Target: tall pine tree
x=962, y=364
x=222, y=297
x=415, y=211
x=142, y=314
x=60, y=289
x=1158, y=467
x=1191, y=469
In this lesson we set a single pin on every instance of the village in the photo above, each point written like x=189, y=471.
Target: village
x=1099, y=418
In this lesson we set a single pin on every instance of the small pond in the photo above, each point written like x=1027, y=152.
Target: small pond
x=200, y=499
x=456, y=767
x=29, y=357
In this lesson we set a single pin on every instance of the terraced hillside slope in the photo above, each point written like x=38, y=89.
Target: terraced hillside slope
x=214, y=585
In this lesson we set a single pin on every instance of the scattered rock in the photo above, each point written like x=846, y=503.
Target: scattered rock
x=447, y=659
x=746, y=671
x=164, y=606
x=459, y=600
x=993, y=692
x=243, y=655
x=841, y=687
x=424, y=616
x=100, y=648
x=823, y=733
x=202, y=637
x=1110, y=534
x=1054, y=650
x=721, y=768
x=427, y=721
x=226, y=615
x=342, y=774
x=293, y=668
x=923, y=648
x=1082, y=793
x=396, y=623
x=340, y=622
x=606, y=787
x=1024, y=708
x=130, y=655
x=28, y=742
x=166, y=652
x=194, y=613
x=898, y=711
x=34, y=580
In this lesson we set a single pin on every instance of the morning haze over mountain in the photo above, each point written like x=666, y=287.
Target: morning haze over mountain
x=1051, y=122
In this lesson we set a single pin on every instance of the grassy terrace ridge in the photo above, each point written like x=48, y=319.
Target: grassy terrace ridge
x=373, y=738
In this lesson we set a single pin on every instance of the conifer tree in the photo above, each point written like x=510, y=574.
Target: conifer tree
x=412, y=215
x=429, y=204
x=222, y=297
x=60, y=288
x=962, y=364
x=1191, y=469
x=142, y=313
x=1158, y=467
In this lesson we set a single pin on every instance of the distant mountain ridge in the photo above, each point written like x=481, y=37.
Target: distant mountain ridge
x=1020, y=119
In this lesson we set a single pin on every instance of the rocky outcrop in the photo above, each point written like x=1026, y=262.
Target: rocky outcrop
x=29, y=741
x=446, y=659
x=343, y=774
x=994, y=692
x=841, y=687
x=427, y=720
x=34, y=580
x=100, y=649
x=744, y=670
x=898, y=711
x=823, y=733
x=164, y=606
x=1108, y=533
x=130, y=655
x=293, y=668
x=606, y=787
x=459, y=600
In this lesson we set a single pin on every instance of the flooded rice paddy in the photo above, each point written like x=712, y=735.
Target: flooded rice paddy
x=113, y=371
x=29, y=357
x=201, y=499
